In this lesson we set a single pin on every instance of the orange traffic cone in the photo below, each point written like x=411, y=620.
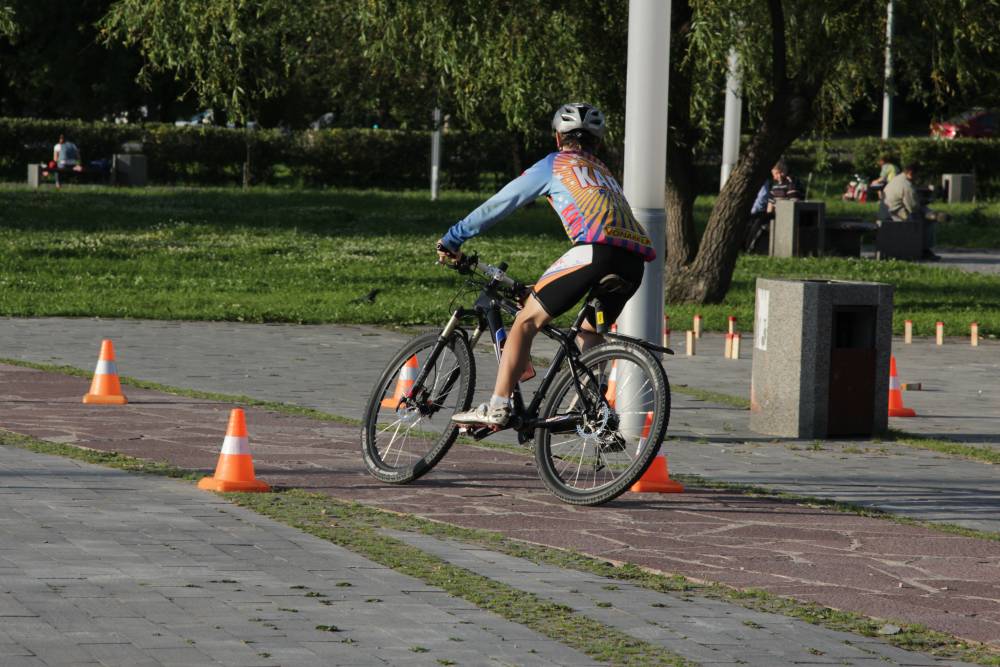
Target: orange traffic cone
x=105, y=389
x=656, y=479
x=234, y=472
x=896, y=407
x=404, y=383
x=612, y=390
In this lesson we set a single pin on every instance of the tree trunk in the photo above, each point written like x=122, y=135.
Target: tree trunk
x=681, y=185
x=248, y=164
x=516, y=154
x=707, y=278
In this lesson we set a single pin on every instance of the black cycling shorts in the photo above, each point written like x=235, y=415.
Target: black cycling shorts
x=582, y=267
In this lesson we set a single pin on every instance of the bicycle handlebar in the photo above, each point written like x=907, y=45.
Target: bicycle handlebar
x=470, y=264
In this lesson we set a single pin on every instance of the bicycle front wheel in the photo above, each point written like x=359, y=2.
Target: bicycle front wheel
x=621, y=402
x=407, y=429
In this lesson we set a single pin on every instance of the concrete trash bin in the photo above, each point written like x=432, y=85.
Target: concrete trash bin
x=821, y=358
x=798, y=228
x=130, y=169
x=35, y=175
x=958, y=187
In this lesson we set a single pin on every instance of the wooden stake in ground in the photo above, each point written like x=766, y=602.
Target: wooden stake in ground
x=939, y=335
x=666, y=331
x=974, y=334
x=908, y=332
x=696, y=325
x=736, y=347
x=732, y=324
x=729, y=346
x=690, y=343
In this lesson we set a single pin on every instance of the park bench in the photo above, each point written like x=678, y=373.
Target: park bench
x=126, y=169
x=899, y=239
x=801, y=229
x=843, y=236
x=38, y=174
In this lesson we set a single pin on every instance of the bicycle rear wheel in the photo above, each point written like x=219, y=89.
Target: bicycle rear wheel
x=624, y=406
x=402, y=439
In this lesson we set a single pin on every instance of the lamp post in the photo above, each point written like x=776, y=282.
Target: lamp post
x=731, y=128
x=435, y=153
x=889, y=84
x=646, y=153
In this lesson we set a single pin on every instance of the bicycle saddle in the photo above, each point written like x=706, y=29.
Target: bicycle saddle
x=610, y=284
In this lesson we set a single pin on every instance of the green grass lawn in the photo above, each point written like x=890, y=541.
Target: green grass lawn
x=306, y=255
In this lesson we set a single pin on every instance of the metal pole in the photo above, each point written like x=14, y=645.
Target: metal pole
x=646, y=153
x=889, y=83
x=435, y=153
x=731, y=129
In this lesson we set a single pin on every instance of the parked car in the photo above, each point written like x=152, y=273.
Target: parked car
x=205, y=117
x=323, y=122
x=976, y=123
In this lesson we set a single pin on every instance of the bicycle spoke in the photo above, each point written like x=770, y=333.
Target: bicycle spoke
x=402, y=440
x=607, y=451
x=393, y=440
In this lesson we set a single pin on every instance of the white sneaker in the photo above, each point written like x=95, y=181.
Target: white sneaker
x=484, y=415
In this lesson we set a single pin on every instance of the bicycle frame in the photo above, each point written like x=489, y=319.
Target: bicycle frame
x=487, y=314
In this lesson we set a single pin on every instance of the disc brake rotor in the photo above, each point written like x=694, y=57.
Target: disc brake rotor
x=593, y=428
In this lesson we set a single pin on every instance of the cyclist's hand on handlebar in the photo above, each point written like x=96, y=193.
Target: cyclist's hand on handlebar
x=447, y=257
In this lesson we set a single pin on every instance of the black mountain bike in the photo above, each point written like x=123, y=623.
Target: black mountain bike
x=597, y=417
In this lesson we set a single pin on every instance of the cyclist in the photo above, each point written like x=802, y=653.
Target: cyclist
x=606, y=238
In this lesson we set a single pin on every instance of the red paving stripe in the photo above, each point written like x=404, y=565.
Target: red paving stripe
x=869, y=566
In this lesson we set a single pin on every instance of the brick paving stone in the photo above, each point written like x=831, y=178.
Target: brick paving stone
x=688, y=534
x=292, y=363
x=133, y=611
x=695, y=628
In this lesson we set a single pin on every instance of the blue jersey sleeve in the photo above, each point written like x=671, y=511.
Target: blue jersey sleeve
x=760, y=203
x=524, y=189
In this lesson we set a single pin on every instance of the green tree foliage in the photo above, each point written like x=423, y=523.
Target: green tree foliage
x=52, y=67
x=804, y=65
x=508, y=63
x=948, y=53
x=503, y=63
x=7, y=26
x=233, y=54
x=271, y=61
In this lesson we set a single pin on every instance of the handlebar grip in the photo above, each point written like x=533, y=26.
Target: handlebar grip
x=502, y=266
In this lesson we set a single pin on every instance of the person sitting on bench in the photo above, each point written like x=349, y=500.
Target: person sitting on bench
x=65, y=156
x=781, y=186
x=902, y=202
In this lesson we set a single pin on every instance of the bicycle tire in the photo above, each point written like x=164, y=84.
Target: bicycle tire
x=397, y=447
x=593, y=463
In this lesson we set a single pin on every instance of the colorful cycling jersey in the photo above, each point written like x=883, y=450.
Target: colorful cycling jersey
x=582, y=191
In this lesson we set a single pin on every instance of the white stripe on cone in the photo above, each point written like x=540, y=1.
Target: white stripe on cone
x=235, y=445
x=894, y=382
x=106, y=368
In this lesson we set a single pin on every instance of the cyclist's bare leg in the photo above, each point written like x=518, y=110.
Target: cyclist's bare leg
x=517, y=349
x=588, y=337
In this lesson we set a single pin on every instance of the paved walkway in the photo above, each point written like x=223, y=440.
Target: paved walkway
x=973, y=260
x=332, y=367
x=102, y=567
x=865, y=565
x=977, y=261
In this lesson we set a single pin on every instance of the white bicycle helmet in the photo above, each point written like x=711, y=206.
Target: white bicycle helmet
x=579, y=116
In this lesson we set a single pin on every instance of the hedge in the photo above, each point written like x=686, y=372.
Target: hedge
x=215, y=155
x=845, y=157
x=400, y=159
